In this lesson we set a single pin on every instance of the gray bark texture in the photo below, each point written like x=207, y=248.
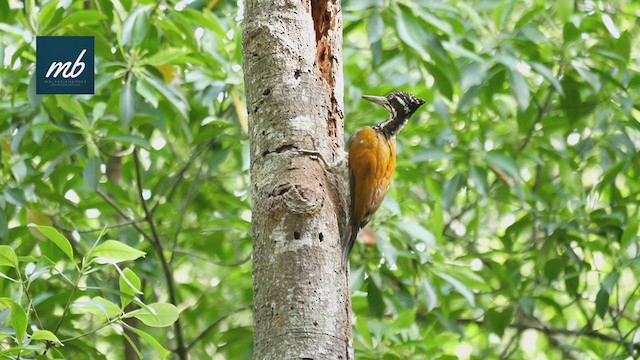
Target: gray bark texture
x=294, y=88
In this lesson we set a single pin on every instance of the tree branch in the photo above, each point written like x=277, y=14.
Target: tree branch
x=209, y=260
x=178, y=177
x=191, y=194
x=213, y=324
x=96, y=229
x=157, y=245
x=556, y=331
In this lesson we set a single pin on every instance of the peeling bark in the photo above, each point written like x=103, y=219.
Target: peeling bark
x=294, y=87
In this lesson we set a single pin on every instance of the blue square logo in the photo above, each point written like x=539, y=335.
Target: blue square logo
x=64, y=65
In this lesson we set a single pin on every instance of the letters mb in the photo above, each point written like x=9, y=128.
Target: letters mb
x=67, y=70
x=65, y=65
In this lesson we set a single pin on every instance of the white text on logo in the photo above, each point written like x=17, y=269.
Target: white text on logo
x=67, y=70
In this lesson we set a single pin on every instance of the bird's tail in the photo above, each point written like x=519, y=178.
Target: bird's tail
x=349, y=239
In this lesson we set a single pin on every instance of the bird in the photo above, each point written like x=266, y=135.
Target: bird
x=372, y=161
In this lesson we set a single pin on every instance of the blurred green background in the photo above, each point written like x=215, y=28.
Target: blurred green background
x=510, y=230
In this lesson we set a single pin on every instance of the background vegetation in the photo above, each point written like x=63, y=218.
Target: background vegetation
x=510, y=231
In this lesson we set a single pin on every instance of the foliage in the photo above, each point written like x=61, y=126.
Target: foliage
x=152, y=160
x=104, y=312
x=512, y=225
x=511, y=228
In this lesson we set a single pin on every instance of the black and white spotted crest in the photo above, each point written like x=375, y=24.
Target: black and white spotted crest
x=400, y=105
x=404, y=104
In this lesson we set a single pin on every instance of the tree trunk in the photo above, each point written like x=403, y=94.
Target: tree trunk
x=294, y=87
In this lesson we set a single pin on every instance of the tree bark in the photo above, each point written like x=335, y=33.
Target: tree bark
x=294, y=88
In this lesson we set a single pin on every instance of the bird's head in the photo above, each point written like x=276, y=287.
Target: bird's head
x=398, y=104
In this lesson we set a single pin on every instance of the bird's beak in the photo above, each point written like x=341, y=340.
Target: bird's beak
x=380, y=100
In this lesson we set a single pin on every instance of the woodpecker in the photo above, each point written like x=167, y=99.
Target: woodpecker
x=372, y=161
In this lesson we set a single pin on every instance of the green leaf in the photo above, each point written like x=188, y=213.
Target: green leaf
x=609, y=176
x=459, y=50
x=602, y=302
x=503, y=12
x=470, y=278
x=146, y=91
x=72, y=106
x=472, y=75
x=572, y=103
x=375, y=27
x=131, y=139
x=564, y=9
x=374, y=298
x=129, y=284
x=19, y=170
x=459, y=287
x=40, y=268
x=610, y=25
x=438, y=23
x=164, y=353
x=112, y=252
x=503, y=162
x=5, y=303
x=166, y=56
x=520, y=89
x=4, y=225
x=206, y=19
x=429, y=295
x=527, y=305
x=467, y=99
x=404, y=321
x=57, y=238
x=174, y=97
x=629, y=232
x=45, y=335
x=441, y=80
x=98, y=306
x=34, y=99
x=127, y=102
x=634, y=261
x=411, y=32
x=8, y=257
x=588, y=75
x=91, y=173
x=4, y=276
x=98, y=111
x=623, y=46
x=570, y=32
x=387, y=250
x=497, y=321
x=571, y=280
x=80, y=19
x=156, y=315
x=451, y=188
x=436, y=221
x=136, y=26
x=19, y=321
x=356, y=278
x=553, y=268
x=610, y=281
x=547, y=74
x=133, y=345
x=421, y=234
x=479, y=177
x=15, y=197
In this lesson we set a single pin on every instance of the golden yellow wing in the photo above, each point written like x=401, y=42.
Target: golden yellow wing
x=372, y=161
